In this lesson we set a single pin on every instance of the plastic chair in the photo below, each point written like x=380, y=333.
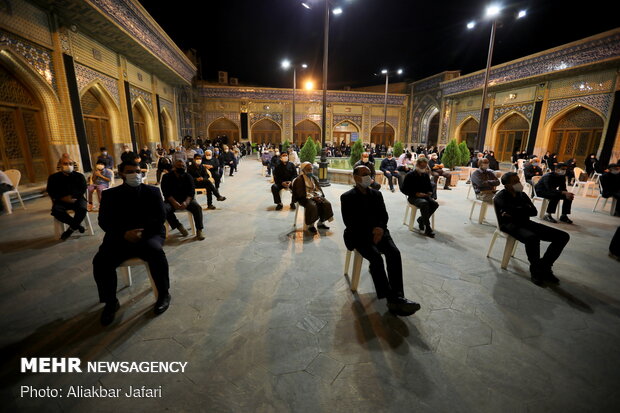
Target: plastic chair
x=14, y=176
x=581, y=184
x=60, y=227
x=386, y=182
x=190, y=218
x=483, y=209
x=125, y=270
x=545, y=203
x=614, y=201
x=357, y=268
x=470, y=185
x=303, y=216
x=414, y=210
x=509, y=249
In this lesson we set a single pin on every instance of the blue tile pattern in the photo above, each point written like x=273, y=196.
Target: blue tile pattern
x=276, y=117
x=602, y=102
x=526, y=110
x=357, y=119
x=38, y=57
x=136, y=92
x=85, y=75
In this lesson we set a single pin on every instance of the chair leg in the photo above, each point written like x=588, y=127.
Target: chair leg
x=483, y=212
x=90, y=225
x=347, y=261
x=493, y=238
x=406, y=213
x=414, y=210
x=514, y=249
x=153, y=286
x=6, y=198
x=614, y=202
x=510, y=244
x=471, y=212
x=192, y=223
x=126, y=275
x=20, y=200
x=433, y=221
x=596, y=203
x=295, y=220
x=543, y=208
x=468, y=191
x=357, y=269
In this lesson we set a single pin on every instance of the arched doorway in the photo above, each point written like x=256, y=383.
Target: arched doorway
x=576, y=135
x=468, y=133
x=22, y=138
x=304, y=129
x=266, y=131
x=97, y=123
x=164, y=129
x=139, y=126
x=222, y=127
x=433, y=130
x=511, y=136
x=378, y=137
x=345, y=131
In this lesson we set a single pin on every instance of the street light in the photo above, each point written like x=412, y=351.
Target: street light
x=309, y=85
x=386, y=73
x=286, y=64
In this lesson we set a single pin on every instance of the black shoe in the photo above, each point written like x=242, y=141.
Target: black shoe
x=107, y=315
x=549, y=218
x=221, y=198
x=210, y=206
x=278, y=207
x=429, y=233
x=293, y=206
x=549, y=277
x=162, y=304
x=537, y=279
x=447, y=188
x=65, y=235
x=566, y=219
x=322, y=226
x=81, y=229
x=421, y=223
x=402, y=307
x=392, y=189
x=312, y=229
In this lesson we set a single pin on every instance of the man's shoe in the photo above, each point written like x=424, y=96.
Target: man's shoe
x=322, y=226
x=421, y=223
x=65, y=235
x=402, y=306
x=210, y=206
x=182, y=230
x=537, y=279
x=278, y=207
x=392, y=190
x=550, y=277
x=293, y=206
x=312, y=229
x=447, y=188
x=81, y=229
x=199, y=235
x=162, y=304
x=221, y=198
x=107, y=315
x=549, y=218
x=566, y=219
x=429, y=233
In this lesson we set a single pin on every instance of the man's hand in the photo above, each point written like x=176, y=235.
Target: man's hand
x=176, y=205
x=421, y=194
x=208, y=166
x=286, y=184
x=569, y=195
x=68, y=199
x=200, y=179
x=134, y=235
x=377, y=234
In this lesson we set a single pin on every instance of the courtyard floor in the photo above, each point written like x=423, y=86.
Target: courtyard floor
x=267, y=323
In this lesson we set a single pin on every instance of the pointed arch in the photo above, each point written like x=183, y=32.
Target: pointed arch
x=425, y=126
x=359, y=128
x=378, y=136
x=305, y=128
x=223, y=126
x=507, y=139
x=463, y=132
x=266, y=131
x=143, y=129
x=168, y=126
x=348, y=134
x=112, y=110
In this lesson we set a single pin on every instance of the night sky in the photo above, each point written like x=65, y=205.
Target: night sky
x=249, y=38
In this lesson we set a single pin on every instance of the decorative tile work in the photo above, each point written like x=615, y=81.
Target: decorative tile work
x=601, y=102
x=445, y=122
x=212, y=116
x=127, y=15
x=276, y=117
x=357, y=119
x=313, y=116
x=576, y=55
x=135, y=92
x=288, y=127
x=366, y=111
x=392, y=120
x=461, y=116
x=587, y=84
x=430, y=83
x=163, y=103
x=85, y=75
x=525, y=110
x=430, y=112
x=39, y=58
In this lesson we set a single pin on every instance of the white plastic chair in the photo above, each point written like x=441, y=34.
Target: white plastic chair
x=545, y=203
x=410, y=208
x=586, y=185
x=14, y=176
x=470, y=185
x=509, y=249
x=125, y=270
x=614, y=201
x=357, y=268
x=190, y=218
x=303, y=217
x=60, y=227
x=483, y=209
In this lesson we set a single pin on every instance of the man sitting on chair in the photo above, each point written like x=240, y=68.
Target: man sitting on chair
x=417, y=186
x=388, y=167
x=67, y=188
x=283, y=175
x=213, y=165
x=484, y=181
x=132, y=216
x=532, y=169
x=5, y=186
x=308, y=193
x=365, y=161
x=514, y=209
x=203, y=179
x=552, y=186
x=366, y=218
x=610, y=181
x=437, y=171
x=179, y=192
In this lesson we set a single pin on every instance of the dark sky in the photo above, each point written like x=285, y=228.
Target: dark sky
x=249, y=38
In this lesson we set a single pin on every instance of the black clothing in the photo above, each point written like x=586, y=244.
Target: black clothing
x=592, y=165
x=550, y=187
x=215, y=171
x=530, y=171
x=370, y=165
x=388, y=165
x=128, y=156
x=107, y=160
x=199, y=171
x=493, y=164
x=145, y=156
x=179, y=187
x=611, y=188
x=484, y=180
x=283, y=172
x=60, y=185
x=226, y=159
x=420, y=182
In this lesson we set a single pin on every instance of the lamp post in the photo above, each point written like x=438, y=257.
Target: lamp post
x=387, y=77
x=286, y=64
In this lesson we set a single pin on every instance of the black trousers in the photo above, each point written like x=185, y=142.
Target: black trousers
x=554, y=198
x=615, y=195
x=439, y=172
x=59, y=211
x=388, y=285
x=112, y=254
x=193, y=207
x=389, y=175
x=427, y=207
x=317, y=210
x=531, y=233
x=211, y=190
x=4, y=188
x=275, y=191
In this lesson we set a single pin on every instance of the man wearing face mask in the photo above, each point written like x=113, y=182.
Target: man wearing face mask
x=128, y=155
x=309, y=194
x=417, y=186
x=437, y=171
x=132, y=216
x=67, y=188
x=213, y=165
x=532, y=169
x=484, y=181
x=99, y=181
x=366, y=218
x=228, y=159
x=283, y=175
x=610, y=181
x=388, y=167
x=203, y=179
x=552, y=186
x=365, y=161
x=107, y=160
x=514, y=209
x=179, y=192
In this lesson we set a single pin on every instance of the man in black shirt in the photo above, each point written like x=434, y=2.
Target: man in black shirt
x=132, y=216
x=228, y=159
x=368, y=163
x=203, y=179
x=610, y=181
x=532, y=169
x=552, y=186
x=437, y=171
x=178, y=189
x=213, y=165
x=388, y=167
x=107, y=160
x=366, y=218
x=417, y=186
x=283, y=175
x=67, y=188
x=128, y=155
x=514, y=209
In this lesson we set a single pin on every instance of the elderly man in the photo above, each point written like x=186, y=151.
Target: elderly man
x=213, y=165
x=484, y=181
x=365, y=161
x=67, y=188
x=552, y=186
x=128, y=155
x=417, y=186
x=204, y=179
x=283, y=175
x=178, y=189
x=132, y=216
x=532, y=169
x=514, y=209
x=308, y=193
x=366, y=218
x=437, y=170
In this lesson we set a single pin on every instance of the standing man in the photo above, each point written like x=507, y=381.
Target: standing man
x=178, y=189
x=67, y=188
x=283, y=175
x=132, y=216
x=203, y=179
x=366, y=218
x=388, y=167
x=552, y=186
x=417, y=186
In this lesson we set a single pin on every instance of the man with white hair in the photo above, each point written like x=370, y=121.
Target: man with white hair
x=307, y=191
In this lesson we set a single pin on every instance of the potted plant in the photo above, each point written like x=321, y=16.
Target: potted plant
x=356, y=153
x=308, y=151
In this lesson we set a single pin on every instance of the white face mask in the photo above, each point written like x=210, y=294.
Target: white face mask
x=420, y=170
x=133, y=179
x=104, y=153
x=67, y=168
x=484, y=167
x=208, y=157
x=518, y=187
x=365, y=160
x=100, y=167
x=365, y=181
x=615, y=171
x=198, y=161
x=561, y=172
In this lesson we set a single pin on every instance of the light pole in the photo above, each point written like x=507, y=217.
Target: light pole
x=387, y=77
x=286, y=64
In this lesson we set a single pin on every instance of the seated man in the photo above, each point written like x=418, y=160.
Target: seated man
x=128, y=155
x=437, y=171
x=164, y=165
x=64, y=156
x=484, y=181
x=99, y=181
x=213, y=165
x=179, y=192
x=388, y=167
x=552, y=186
x=274, y=160
x=105, y=157
x=610, y=181
x=365, y=161
x=514, y=209
x=308, y=193
x=283, y=175
x=366, y=218
x=417, y=186
x=203, y=179
x=5, y=186
x=132, y=216
x=266, y=160
x=66, y=188
x=228, y=159
x=473, y=162
x=145, y=155
x=532, y=169
x=293, y=157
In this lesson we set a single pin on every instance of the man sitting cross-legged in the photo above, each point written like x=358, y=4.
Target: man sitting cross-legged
x=204, y=179
x=67, y=188
x=484, y=181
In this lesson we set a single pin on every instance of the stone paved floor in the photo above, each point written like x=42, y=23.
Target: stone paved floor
x=267, y=322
